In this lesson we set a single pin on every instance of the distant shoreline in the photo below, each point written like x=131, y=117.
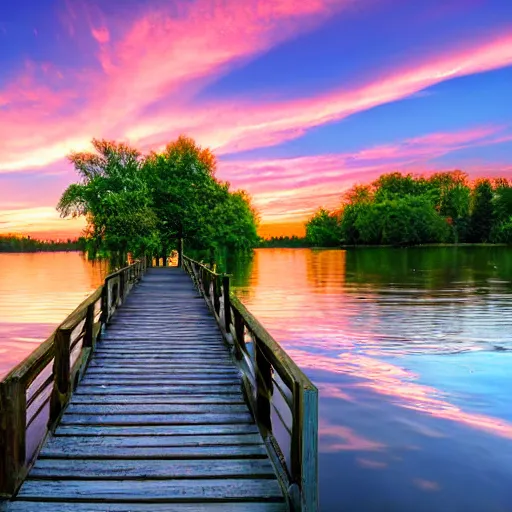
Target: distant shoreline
x=40, y=251
x=362, y=246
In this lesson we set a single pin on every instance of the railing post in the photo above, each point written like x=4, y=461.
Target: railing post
x=216, y=296
x=227, y=302
x=104, y=303
x=264, y=386
x=61, y=372
x=239, y=333
x=13, y=414
x=89, y=326
x=296, y=441
x=180, y=252
x=120, y=295
x=309, y=450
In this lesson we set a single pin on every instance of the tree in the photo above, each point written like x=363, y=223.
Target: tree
x=394, y=185
x=113, y=197
x=322, y=230
x=190, y=203
x=236, y=222
x=405, y=210
x=482, y=212
x=143, y=205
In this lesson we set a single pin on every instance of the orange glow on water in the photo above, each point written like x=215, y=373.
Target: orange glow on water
x=37, y=292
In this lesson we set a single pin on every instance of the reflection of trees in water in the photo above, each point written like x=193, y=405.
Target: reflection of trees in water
x=240, y=264
x=325, y=270
x=428, y=267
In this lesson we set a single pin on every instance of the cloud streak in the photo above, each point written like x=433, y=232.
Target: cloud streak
x=199, y=42
x=238, y=126
x=291, y=189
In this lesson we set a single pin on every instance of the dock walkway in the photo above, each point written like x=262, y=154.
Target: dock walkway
x=158, y=422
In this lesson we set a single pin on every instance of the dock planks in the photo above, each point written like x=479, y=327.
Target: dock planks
x=159, y=422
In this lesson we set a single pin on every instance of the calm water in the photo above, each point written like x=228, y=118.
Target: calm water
x=37, y=291
x=412, y=352
x=410, y=348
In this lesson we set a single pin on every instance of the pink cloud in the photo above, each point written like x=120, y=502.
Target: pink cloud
x=335, y=438
x=371, y=464
x=202, y=47
x=426, y=485
x=391, y=380
x=198, y=44
x=101, y=34
x=293, y=188
x=236, y=126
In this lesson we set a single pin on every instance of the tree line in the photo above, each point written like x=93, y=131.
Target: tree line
x=142, y=204
x=13, y=243
x=284, y=241
x=406, y=209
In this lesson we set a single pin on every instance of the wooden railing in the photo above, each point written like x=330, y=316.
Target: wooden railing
x=34, y=393
x=283, y=400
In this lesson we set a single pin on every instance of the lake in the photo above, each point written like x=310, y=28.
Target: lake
x=37, y=291
x=410, y=348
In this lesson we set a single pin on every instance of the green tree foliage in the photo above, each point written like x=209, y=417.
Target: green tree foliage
x=284, y=241
x=322, y=230
x=142, y=204
x=482, y=212
x=399, y=209
x=191, y=203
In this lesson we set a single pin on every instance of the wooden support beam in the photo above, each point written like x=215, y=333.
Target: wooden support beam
x=13, y=415
x=62, y=374
x=89, y=340
x=227, y=302
x=264, y=388
x=180, y=252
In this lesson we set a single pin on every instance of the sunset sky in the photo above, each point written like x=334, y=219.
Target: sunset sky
x=299, y=99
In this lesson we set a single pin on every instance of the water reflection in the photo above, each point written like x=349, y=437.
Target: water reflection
x=410, y=349
x=37, y=291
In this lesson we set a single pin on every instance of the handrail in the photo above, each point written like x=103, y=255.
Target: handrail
x=271, y=380
x=34, y=393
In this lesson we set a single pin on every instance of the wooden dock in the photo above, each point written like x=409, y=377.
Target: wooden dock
x=155, y=413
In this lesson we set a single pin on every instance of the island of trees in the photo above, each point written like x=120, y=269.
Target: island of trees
x=142, y=204
x=404, y=209
x=16, y=243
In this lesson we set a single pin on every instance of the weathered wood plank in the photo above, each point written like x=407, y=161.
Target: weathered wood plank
x=159, y=380
x=156, y=390
x=160, y=365
x=236, y=398
x=110, y=469
x=158, y=452
x=164, y=351
x=164, y=370
x=155, y=419
x=156, y=431
x=49, y=506
x=155, y=409
x=169, y=342
x=152, y=490
x=189, y=358
x=108, y=443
